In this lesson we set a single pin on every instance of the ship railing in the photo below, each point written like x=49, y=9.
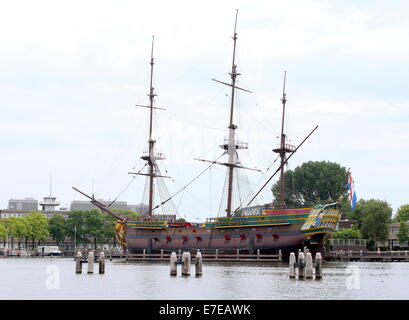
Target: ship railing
x=347, y=242
x=155, y=155
x=239, y=144
x=368, y=254
x=207, y=255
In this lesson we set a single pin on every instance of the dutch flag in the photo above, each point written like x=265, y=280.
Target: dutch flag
x=352, y=194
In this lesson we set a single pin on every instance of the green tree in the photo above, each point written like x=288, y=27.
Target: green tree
x=20, y=230
x=180, y=220
x=108, y=225
x=11, y=224
x=127, y=213
x=29, y=232
x=376, y=217
x=403, y=233
x=76, y=226
x=90, y=224
x=57, y=228
x=94, y=226
x=3, y=232
x=345, y=233
x=354, y=215
x=402, y=214
x=313, y=183
x=38, y=226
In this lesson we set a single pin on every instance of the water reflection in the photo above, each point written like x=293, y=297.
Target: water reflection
x=28, y=278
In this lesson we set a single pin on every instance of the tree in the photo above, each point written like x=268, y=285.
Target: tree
x=376, y=216
x=38, y=226
x=76, y=226
x=127, y=213
x=345, y=233
x=20, y=230
x=313, y=183
x=354, y=215
x=3, y=232
x=10, y=226
x=94, y=226
x=403, y=213
x=90, y=224
x=26, y=221
x=108, y=226
x=403, y=233
x=6, y=226
x=57, y=228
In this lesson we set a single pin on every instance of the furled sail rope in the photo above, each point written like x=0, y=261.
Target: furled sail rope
x=133, y=178
x=170, y=207
x=163, y=202
x=258, y=183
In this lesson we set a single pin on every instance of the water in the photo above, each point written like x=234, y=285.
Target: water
x=55, y=278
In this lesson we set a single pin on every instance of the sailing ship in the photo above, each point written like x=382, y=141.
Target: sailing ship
x=267, y=228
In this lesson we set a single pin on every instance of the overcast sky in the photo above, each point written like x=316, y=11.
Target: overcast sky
x=71, y=73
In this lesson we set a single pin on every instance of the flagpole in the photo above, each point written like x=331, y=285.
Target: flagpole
x=75, y=238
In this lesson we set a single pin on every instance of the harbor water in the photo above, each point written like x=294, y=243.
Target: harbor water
x=54, y=279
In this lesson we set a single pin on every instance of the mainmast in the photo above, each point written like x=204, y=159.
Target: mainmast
x=232, y=144
x=283, y=149
x=231, y=147
x=151, y=156
x=151, y=141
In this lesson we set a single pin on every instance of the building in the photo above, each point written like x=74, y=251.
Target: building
x=393, y=239
x=21, y=207
x=23, y=204
x=6, y=213
x=140, y=208
x=49, y=203
x=87, y=205
x=121, y=205
x=346, y=224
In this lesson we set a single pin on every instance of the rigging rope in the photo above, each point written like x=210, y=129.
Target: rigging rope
x=189, y=182
x=133, y=178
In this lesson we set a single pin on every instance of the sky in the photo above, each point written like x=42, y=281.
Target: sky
x=71, y=73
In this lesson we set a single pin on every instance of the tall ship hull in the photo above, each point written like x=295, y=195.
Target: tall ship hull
x=276, y=229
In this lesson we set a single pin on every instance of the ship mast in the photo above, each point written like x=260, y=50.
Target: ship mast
x=151, y=156
x=151, y=141
x=231, y=147
x=283, y=149
x=232, y=144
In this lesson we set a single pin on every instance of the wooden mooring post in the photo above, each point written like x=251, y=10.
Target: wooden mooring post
x=308, y=266
x=102, y=262
x=292, y=265
x=301, y=266
x=186, y=259
x=91, y=262
x=198, y=264
x=173, y=268
x=318, y=266
x=78, y=262
x=305, y=266
x=186, y=262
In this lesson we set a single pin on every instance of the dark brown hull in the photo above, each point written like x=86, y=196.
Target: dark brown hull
x=267, y=239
